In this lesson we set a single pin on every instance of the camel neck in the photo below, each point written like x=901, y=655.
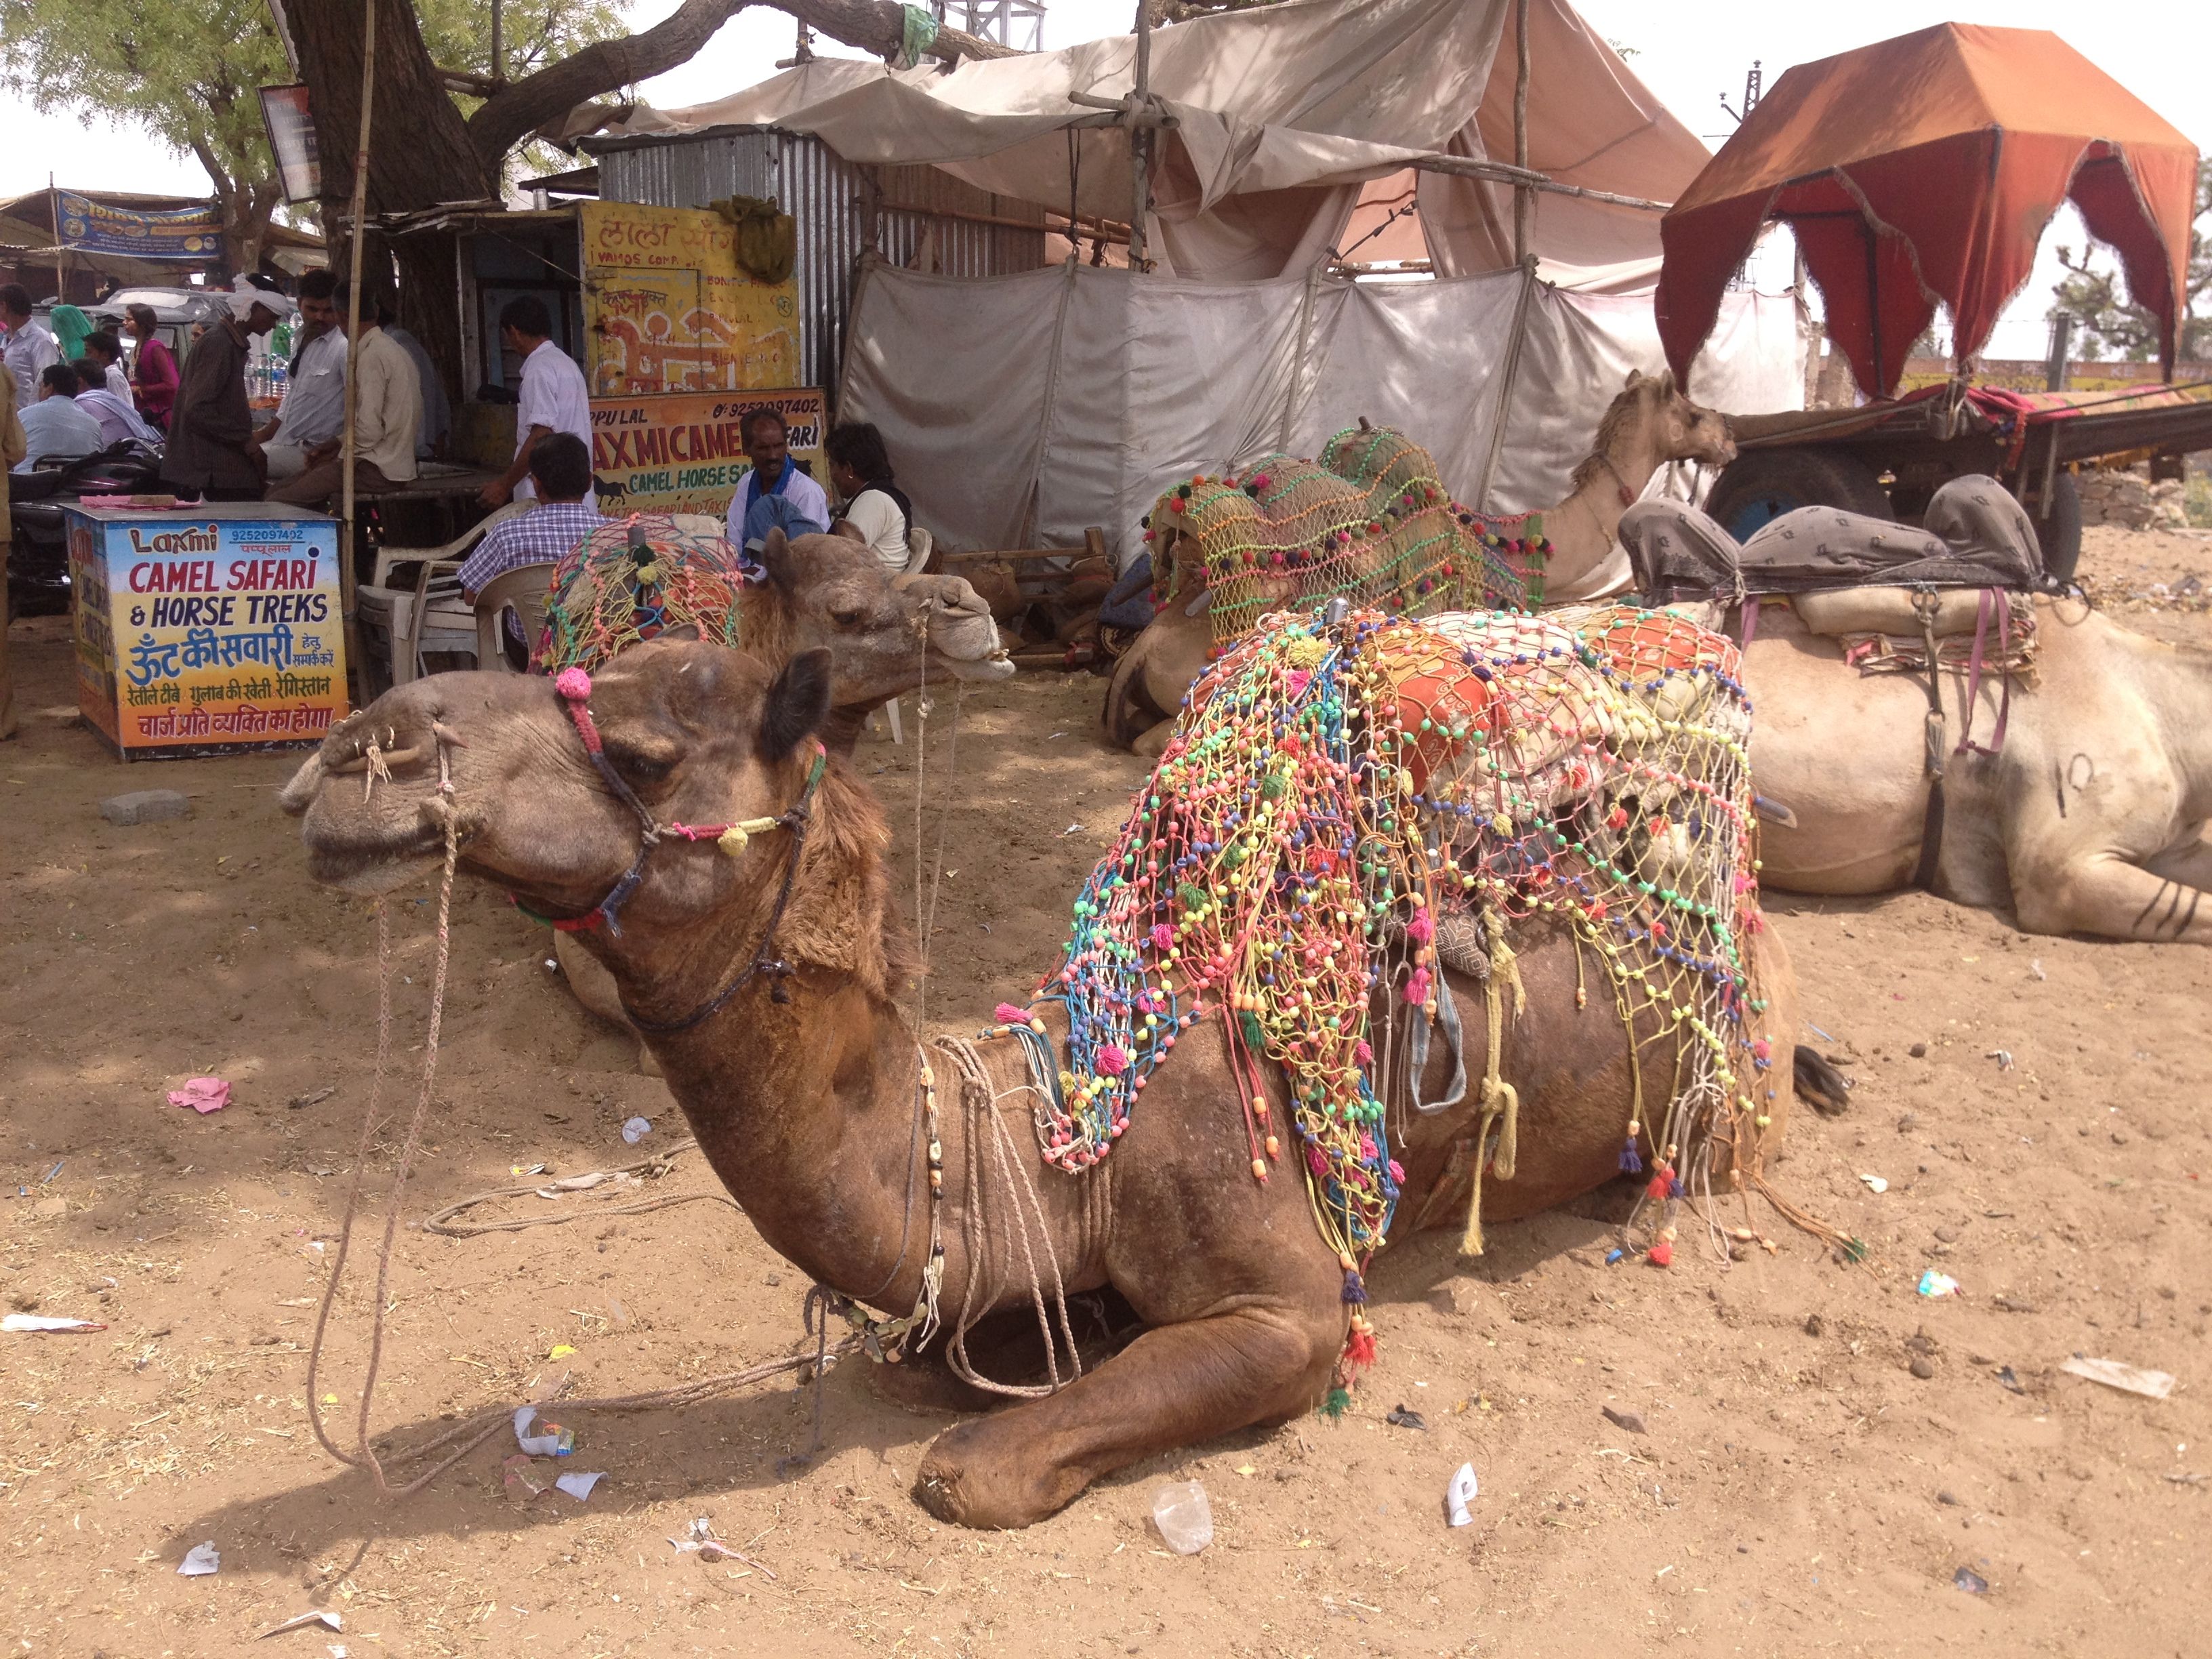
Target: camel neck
x=809, y=1111
x=2180, y=687
x=1582, y=529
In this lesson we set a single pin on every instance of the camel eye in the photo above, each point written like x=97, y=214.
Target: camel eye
x=846, y=616
x=640, y=765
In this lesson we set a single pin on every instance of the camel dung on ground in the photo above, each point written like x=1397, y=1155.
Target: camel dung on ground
x=767, y=971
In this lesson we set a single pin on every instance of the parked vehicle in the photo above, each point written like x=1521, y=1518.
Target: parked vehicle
x=38, y=556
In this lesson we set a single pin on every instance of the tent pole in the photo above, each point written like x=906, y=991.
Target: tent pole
x=61, y=277
x=348, y=597
x=1524, y=199
x=1140, y=181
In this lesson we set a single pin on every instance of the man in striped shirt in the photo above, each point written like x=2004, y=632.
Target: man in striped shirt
x=561, y=468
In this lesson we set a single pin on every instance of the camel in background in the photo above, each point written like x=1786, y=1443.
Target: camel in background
x=1648, y=425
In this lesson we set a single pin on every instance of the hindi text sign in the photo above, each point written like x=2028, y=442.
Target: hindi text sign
x=206, y=631
x=667, y=308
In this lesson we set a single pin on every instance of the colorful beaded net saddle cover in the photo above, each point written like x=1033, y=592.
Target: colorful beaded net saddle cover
x=634, y=579
x=1368, y=522
x=1342, y=800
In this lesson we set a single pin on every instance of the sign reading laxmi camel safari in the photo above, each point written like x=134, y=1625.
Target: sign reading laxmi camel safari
x=199, y=632
x=683, y=452
x=667, y=308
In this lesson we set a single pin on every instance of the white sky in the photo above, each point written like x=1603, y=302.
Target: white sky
x=1691, y=52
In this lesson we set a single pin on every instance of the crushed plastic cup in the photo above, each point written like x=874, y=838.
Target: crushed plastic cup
x=1460, y=1494
x=1184, y=1517
x=527, y=1477
x=636, y=1130
x=199, y=1560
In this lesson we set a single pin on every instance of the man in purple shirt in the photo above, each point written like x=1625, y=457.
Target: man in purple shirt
x=561, y=469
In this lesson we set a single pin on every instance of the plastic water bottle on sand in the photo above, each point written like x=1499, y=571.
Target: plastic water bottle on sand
x=1184, y=1517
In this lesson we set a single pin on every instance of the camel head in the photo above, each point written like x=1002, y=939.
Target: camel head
x=887, y=634
x=1680, y=431
x=703, y=736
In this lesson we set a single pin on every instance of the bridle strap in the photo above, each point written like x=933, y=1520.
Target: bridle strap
x=574, y=687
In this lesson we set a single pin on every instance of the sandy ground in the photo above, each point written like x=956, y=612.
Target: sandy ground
x=1797, y=1488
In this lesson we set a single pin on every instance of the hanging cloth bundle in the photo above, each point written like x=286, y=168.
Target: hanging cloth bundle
x=768, y=237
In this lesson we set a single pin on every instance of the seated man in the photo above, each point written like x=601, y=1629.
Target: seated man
x=104, y=350
x=55, y=428
x=561, y=471
x=772, y=513
x=387, y=414
x=773, y=474
x=118, y=420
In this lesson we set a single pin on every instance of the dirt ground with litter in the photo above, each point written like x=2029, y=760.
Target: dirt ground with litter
x=1795, y=1488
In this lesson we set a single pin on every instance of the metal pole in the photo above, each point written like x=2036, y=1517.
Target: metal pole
x=499, y=56
x=347, y=580
x=61, y=277
x=1140, y=181
x=1524, y=199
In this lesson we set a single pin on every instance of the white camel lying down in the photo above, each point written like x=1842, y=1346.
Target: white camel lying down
x=2089, y=820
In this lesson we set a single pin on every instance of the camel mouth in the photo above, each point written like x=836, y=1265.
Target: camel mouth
x=369, y=870
x=996, y=666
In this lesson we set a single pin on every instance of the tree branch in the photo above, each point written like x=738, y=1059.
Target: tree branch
x=510, y=115
x=517, y=111
x=224, y=189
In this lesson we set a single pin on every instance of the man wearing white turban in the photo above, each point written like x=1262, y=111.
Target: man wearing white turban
x=211, y=453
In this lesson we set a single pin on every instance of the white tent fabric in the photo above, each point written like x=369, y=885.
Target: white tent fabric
x=1019, y=410
x=1280, y=114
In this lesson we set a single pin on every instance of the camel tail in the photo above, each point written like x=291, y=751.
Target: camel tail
x=1819, y=1084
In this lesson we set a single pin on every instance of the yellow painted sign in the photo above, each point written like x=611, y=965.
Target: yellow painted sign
x=667, y=308
x=682, y=452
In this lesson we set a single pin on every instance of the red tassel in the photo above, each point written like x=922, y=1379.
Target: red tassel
x=1662, y=1254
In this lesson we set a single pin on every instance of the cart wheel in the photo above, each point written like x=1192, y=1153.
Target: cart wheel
x=2059, y=532
x=1760, y=487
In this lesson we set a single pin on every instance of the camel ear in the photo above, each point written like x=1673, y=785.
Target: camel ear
x=846, y=528
x=797, y=704
x=1667, y=383
x=776, y=557
x=689, y=631
x=1635, y=379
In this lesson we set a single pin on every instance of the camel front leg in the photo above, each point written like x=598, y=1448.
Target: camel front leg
x=2106, y=895
x=1152, y=744
x=1174, y=1386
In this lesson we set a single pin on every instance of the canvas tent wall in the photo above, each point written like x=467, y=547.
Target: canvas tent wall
x=1044, y=392
x=1022, y=409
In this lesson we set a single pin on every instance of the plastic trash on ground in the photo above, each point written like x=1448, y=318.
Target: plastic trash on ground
x=527, y=1477
x=2119, y=1374
x=578, y=1486
x=48, y=1323
x=203, y=1093
x=200, y=1560
x=1460, y=1494
x=1933, y=1284
x=538, y=1439
x=327, y=1620
x=636, y=1130
x=1184, y=1517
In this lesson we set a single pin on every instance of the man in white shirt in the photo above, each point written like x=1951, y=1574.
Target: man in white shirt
x=553, y=397
x=29, y=350
x=312, y=417
x=775, y=473
x=55, y=428
x=104, y=348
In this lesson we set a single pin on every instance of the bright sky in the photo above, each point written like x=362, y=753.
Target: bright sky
x=1690, y=54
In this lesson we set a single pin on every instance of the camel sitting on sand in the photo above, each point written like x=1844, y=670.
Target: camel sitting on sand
x=1648, y=425
x=2089, y=818
x=767, y=973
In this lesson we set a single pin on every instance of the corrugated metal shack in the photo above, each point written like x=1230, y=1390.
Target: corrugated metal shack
x=914, y=216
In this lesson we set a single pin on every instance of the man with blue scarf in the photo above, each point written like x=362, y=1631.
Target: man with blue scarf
x=775, y=477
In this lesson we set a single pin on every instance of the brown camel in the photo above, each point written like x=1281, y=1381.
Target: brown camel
x=802, y=1081
x=2089, y=819
x=886, y=635
x=1648, y=425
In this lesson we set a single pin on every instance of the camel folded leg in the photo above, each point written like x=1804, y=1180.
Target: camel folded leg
x=1174, y=1386
x=2106, y=895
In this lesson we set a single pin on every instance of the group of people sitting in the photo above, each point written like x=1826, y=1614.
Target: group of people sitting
x=70, y=405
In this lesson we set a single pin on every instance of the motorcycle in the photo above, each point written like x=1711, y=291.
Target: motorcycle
x=38, y=554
